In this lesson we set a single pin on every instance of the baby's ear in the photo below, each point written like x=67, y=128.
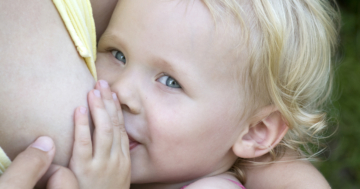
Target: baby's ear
x=264, y=132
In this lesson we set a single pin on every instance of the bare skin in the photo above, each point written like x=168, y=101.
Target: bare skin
x=42, y=74
x=30, y=165
x=102, y=11
x=290, y=173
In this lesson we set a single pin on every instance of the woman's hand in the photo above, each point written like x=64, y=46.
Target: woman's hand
x=105, y=162
x=30, y=165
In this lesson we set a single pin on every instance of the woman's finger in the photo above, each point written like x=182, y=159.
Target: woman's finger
x=30, y=165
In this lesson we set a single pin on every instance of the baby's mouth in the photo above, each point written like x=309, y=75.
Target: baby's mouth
x=132, y=143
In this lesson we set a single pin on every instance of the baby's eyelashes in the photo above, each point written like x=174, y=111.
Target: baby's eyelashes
x=119, y=55
x=169, y=81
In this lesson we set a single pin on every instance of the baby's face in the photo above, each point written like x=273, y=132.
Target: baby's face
x=173, y=75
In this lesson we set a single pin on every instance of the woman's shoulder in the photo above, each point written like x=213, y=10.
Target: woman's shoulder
x=225, y=181
x=287, y=173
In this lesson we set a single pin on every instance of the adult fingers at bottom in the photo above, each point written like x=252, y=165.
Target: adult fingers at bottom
x=30, y=165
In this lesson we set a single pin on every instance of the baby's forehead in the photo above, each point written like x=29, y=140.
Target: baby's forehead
x=176, y=24
x=182, y=34
x=195, y=15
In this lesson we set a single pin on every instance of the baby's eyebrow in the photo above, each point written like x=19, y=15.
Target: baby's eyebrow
x=165, y=64
x=112, y=38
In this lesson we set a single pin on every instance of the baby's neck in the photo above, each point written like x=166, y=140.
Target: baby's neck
x=160, y=185
x=177, y=185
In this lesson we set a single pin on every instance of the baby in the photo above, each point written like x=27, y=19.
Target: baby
x=251, y=51
x=207, y=86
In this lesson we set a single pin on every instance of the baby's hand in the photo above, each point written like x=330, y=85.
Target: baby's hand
x=105, y=162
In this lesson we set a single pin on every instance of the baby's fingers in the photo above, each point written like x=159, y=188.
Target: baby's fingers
x=121, y=140
x=113, y=111
x=103, y=134
x=82, y=150
x=109, y=103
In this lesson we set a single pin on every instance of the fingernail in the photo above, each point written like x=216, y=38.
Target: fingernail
x=104, y=84
x=114, y=96
x=97, y=93
x=82, y=110
x=43, y=143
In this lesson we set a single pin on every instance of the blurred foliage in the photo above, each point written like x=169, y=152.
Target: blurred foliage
x=341, y=166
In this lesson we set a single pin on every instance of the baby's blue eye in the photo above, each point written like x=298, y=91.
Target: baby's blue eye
x=119, y=55
x=169, y=81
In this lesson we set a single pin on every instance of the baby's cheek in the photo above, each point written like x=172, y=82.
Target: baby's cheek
x=107, y=67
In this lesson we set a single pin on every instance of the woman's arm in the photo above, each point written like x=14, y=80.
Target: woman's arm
x=30, y=165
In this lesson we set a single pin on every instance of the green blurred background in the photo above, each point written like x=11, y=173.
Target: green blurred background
x=341, y=162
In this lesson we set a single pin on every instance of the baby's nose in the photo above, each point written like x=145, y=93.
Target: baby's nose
x=128, y=95
x=129, y=102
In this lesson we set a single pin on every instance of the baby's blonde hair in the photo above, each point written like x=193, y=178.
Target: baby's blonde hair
x=291, y=55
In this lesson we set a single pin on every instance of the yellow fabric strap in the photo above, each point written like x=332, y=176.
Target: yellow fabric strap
x=78, y=18
x=4, y=161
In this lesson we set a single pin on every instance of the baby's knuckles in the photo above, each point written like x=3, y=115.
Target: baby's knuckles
x=82, y=168
x=108, y=174
x=115, y=121
x=84, y=140
x=122, y=165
